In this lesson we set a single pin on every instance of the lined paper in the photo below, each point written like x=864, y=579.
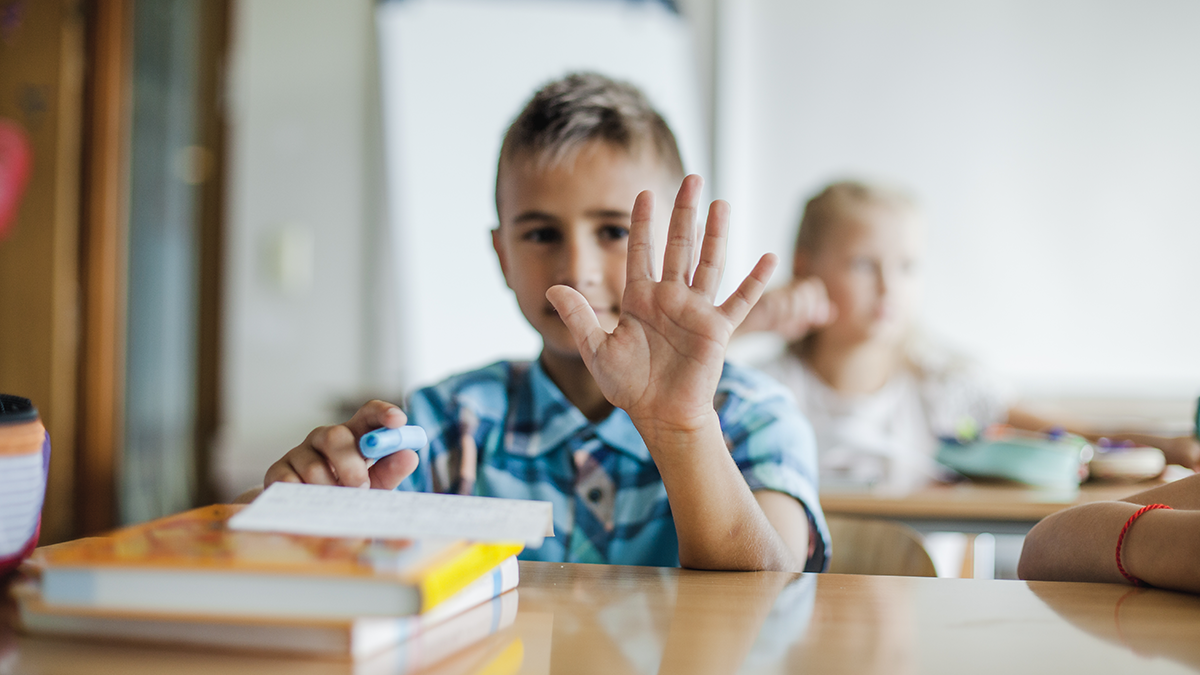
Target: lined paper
x=22, y=485
x=332, y=511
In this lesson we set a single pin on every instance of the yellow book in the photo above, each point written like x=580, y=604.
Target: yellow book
x=485, y=606
x=192, y=563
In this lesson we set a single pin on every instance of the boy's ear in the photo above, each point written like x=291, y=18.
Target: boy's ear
x=498, y=247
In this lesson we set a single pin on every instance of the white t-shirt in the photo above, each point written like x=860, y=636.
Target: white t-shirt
x=888, y=438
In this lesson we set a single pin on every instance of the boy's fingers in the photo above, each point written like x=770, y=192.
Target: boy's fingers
x=750, y=290
x=390, y=471
x=339, y=446
x=681, y=235
x=639, y=261
x=375, y=414
x=580, y=319
x=712, y=252
x=301, y=465
x=281, y=472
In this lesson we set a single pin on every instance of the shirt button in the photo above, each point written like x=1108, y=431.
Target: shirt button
x=595, y=495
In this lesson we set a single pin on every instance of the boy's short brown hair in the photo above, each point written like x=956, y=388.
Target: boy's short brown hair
x=570, y=112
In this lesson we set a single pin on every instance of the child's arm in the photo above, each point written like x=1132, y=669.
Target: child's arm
x=330, y=455
x=1161, y=547
x=1182, y=450
x=791, y=311
x=661, y=365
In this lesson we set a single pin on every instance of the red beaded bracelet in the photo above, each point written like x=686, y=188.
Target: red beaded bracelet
x=1121, y=540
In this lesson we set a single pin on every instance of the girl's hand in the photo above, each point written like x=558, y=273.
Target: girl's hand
x=1184, y=451
x=792, y=311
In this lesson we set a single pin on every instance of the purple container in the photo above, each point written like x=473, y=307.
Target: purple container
x=24, y=462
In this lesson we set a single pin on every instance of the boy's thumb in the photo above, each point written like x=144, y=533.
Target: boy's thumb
x=390, y=471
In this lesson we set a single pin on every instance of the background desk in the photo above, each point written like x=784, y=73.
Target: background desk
x=614, y=620
x=1006, y=511
x=973, y=507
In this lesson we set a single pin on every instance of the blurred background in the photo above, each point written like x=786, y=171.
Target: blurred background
x=246, y=216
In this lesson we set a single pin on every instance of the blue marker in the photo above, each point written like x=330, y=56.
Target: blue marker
x=383, y=442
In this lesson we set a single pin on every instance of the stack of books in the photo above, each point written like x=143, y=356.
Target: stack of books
x=192, y=580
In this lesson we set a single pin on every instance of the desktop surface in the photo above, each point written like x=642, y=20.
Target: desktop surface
x=614, y=619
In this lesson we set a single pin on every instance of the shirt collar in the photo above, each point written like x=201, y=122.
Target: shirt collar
x=557, y=420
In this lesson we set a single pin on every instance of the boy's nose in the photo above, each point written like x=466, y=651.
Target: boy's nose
x=580, y=263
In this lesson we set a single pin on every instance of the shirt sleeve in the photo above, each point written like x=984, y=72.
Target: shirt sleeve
x=426, y=410
x=447, y=463
x=774, y=448
x=457, y=415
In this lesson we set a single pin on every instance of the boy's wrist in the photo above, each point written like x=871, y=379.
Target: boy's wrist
x=666, y=439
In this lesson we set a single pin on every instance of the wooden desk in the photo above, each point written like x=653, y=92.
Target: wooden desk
x=973, y=507
x=610, y=619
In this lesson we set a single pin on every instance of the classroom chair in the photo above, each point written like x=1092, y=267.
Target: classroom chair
x=870, y=546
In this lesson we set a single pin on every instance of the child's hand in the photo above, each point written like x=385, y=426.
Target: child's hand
x=1184, y=451
x=662, y=362
x=792, y=310
x=330, y=456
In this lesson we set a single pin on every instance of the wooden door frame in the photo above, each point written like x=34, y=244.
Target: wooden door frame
x=103, y=262
x=214, y=49
x=108, y=111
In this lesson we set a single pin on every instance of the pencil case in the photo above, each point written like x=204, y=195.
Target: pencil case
x=1040, y=460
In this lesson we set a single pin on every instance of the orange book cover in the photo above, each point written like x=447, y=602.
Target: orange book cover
x=198, y=542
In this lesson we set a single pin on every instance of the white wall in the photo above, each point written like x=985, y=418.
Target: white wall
x=302, y=147
x=455, y=74
x=1054, y=144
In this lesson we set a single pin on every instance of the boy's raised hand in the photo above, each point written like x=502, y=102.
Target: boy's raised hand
x=330, y=455
x=662, y=362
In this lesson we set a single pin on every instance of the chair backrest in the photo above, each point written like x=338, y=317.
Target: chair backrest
x=867, y=546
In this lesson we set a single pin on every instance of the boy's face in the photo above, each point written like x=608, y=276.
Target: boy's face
x=569, y=224
x=870, y=267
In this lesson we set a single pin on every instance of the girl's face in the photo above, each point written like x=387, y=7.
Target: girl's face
x=869, y=263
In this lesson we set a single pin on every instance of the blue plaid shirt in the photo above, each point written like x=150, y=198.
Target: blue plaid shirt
x=507, y=431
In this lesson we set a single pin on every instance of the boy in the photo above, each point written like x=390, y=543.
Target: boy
x=652, y=450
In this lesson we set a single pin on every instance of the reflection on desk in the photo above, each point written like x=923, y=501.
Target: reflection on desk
x=641, y=620
x=612, y=619
x=1146, y=621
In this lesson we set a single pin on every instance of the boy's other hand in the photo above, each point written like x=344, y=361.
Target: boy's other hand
x=662, y=362
x=330, y=455
x=791, y=311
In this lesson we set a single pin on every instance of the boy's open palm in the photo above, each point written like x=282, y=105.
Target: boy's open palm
x=662, y=362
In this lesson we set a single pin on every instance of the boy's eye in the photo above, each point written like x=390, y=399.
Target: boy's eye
x=613, y=232
x=542, y=235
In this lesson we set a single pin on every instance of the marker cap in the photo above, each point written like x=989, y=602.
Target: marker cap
x=383, y=442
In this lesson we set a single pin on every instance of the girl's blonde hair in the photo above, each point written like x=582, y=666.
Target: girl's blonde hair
x=823, y=211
